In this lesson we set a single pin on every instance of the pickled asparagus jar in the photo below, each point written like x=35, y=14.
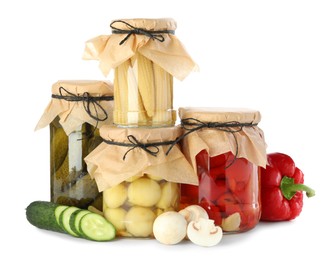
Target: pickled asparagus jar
x=75, y=113
x=226, y=148
x=140, y=179
x=145, y=55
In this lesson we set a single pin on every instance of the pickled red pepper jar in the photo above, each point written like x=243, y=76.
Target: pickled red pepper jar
x=78, y=108
x=226, y=148
x=137, y=176
x=145, y=55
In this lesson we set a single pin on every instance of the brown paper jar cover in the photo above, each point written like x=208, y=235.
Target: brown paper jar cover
x=169, y=54
x=73, y=114
x=111, y=164
x=250, y=140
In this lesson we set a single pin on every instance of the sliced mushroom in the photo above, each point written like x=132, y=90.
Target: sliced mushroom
x=204, y=232
x=194, y=213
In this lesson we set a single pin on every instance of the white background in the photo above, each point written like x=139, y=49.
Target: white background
x=278, y=57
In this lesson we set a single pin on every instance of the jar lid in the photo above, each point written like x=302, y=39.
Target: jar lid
x=142, y=134
x=220, y=114
x=153, y=38
x=147, y=24
x=232, y=130
x=112, y=162
x=79, y=101
x=79, y=87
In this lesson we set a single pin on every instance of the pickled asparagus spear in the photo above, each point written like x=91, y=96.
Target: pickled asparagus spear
x=142, y=115
x=134, y=112
x=146, y=83
x=120, y=93
x=143, y=93
x=163, y=96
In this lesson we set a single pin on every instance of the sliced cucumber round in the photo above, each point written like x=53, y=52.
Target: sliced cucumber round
x=75, y=220
x=95, y=227
x=65, y=219
x=58, y=212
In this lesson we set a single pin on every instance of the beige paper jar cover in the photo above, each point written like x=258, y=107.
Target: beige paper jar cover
x=164, y=49
x=73, y=114
x=111, y=164
x=249, y=141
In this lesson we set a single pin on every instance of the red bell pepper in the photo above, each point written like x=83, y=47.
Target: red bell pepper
x=281, y=189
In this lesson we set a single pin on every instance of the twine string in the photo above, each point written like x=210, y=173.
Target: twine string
x=150, y=148
x=155, y=35
x=89, y=102
x=192, y=125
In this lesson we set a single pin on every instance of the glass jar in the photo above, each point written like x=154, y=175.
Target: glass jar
x=76, y=111
x=138, y=179
x=145, y=55
x=226, y=148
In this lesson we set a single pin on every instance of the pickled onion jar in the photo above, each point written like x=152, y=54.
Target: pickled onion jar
x=140, y=179
x=226, y=149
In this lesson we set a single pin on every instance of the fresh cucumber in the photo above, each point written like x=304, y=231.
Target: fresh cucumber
x=75, y=220
x=65, y=219
x=41, y=214
x=95, y=227
x=71, y=220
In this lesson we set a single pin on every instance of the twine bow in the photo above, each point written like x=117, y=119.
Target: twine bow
x=89, y=102
x=150, y=148
x=155, y=35
x=192, y=124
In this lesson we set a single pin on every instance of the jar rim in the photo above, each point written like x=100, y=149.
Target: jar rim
x=147, y=23
x=221, y=114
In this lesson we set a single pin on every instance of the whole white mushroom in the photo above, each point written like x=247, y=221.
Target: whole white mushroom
x=170, y=228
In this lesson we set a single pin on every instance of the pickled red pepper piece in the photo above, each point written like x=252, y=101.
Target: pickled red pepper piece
x=281, y=189
x=225, y=190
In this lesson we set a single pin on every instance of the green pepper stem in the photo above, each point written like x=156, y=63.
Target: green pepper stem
x=289, y=188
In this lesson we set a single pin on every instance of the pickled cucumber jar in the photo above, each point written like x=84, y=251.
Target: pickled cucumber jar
x=226, y=148
x=145, y=55
x=139, y=175
x=75, y=113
